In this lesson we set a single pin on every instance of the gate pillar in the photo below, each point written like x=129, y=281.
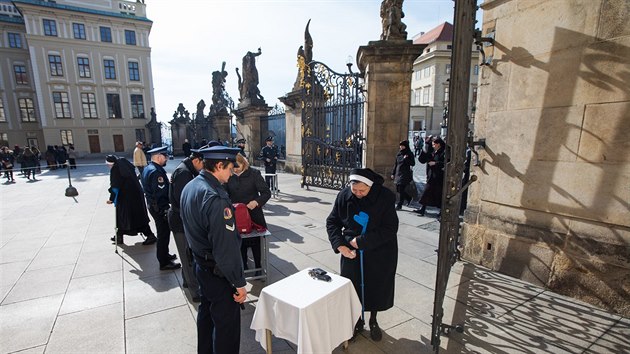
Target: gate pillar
x=248, y=123
x=387, y=67
x=293, y=116
x=222, y=123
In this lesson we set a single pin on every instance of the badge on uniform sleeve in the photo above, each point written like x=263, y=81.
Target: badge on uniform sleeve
x=227, y=213
x=160, y=179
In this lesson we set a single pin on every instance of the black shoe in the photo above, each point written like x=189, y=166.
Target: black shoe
x=172, y=257
x=150, y=241
x=358, y=328
x=170, y=266
x=185, y=285
x=422, y=210
x=120, y=240
x=399, y=207
x=196, y=298
x=375, y=332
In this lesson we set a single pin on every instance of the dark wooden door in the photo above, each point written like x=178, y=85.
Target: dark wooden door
x=95, y=144
x=119, y=145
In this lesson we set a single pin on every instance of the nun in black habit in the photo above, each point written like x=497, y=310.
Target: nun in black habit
x=367, y=194
x=127, y=196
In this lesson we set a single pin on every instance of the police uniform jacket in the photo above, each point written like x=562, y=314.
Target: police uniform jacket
x=209, y=225
x=269, y=152
x=183, y=174
x=379, y=244
x=155, y=183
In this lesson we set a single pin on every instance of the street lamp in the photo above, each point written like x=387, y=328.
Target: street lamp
x=444, y=125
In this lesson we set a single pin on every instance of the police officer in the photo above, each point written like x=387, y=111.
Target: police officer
x=240, y=143
x=187, y=170
x=269, y=155
x=156, y=186
x=208, y=218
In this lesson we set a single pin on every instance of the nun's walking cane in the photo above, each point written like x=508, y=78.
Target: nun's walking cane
x=362, y=219
x=115, y=190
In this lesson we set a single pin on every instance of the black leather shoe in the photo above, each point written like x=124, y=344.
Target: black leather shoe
x=150, y=241
x=120, y=239
x=196, y=298
x=172, y=257
x=375, y=332
x=170, y=266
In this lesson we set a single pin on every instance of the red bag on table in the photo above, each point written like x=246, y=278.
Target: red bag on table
x=244, y=223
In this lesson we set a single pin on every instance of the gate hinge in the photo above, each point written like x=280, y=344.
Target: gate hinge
x=481, y=42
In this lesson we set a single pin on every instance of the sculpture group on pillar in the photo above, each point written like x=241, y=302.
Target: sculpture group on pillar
x=391, y=19
x=248, y=84
x=221, y=101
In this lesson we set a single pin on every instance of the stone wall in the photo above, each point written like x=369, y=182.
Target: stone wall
x=552, y=202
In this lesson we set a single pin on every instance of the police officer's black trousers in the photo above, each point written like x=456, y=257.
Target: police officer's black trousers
x=270, y=169
x=163, y=236
x=188, y=270
x=218, y=316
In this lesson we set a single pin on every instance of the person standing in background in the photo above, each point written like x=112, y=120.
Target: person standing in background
x=139, y=157
x=269, y=155
x=402, y=173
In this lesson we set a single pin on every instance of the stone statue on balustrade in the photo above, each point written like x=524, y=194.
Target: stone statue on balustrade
x=200, y=107
x=304, y=56
x=391, y=19
x=248, y=84
x=221, y=101
x=181, y=115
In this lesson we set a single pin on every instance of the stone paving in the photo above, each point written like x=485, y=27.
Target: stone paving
x=64, y=290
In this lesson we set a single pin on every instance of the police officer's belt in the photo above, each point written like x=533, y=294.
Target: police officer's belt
x=208, y=262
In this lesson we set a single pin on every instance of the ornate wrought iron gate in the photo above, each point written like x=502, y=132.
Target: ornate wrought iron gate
x=332, y=126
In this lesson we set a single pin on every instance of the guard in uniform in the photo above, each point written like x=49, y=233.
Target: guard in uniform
x=269, y=155
x=210, y=229
x=240, y=143
x=156, y=186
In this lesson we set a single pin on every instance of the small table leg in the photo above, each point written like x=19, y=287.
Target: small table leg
x=268, y=338
x=345, y=345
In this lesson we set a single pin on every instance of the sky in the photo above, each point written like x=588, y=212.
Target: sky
x=191, y=38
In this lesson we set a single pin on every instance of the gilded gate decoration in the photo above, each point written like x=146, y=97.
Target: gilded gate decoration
x=332, y=125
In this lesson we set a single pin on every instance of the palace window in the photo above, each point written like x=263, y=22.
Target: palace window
x=3, y=118
x=66, y=137
x=27, y=109
x=20, y=74
x=137, y=106
x=130, y=37
x=50, y=28
x=62, y=105
x=79, y=30
x=106, y=34
x=84, y=67
x=110, y=69
x=88, y=102
x=113, y=105
x=134, y=72
x=15, y=41
x=56, y=69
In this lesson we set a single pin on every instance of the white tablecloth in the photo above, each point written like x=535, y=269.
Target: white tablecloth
x=314, y=314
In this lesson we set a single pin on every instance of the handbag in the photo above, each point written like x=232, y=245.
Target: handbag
x=412, y=190
x=424, y=156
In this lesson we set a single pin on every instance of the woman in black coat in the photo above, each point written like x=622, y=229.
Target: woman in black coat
x=127, y=196
x=402, y=173
x=247, y=186
x=432, y=195
x=349, y=234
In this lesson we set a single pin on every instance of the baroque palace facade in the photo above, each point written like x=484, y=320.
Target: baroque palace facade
x=75, y=72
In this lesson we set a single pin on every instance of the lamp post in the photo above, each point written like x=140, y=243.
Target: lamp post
x=70, y=191
x=444, y=125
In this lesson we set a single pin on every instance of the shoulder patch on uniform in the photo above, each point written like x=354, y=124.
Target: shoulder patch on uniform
x=229, y=227
x=227, y=213
x=160, y=179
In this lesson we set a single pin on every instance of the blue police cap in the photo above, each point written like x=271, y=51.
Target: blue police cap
x=220, y=153
x=158, y=150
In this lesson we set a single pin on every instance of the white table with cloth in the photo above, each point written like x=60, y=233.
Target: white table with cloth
x=314, y=314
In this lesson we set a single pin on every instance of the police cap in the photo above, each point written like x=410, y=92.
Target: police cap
x=158, y=150
x=269, y=138
x=220, y=153
x=240, y=141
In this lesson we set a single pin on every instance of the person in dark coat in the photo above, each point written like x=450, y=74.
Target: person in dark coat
x=187, y=170
x=350, y=233
x=247, y=186
x=432, y=195
x=240, y=143
x=269, y=155
x=127, y=196
x=156, y=186
x=186, y=147
x=402, y=173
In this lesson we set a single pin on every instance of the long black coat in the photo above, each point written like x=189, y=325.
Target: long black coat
x=250, y=185
x=402, y=172
x=131, y=210
x=379, y=244
x=432, y=195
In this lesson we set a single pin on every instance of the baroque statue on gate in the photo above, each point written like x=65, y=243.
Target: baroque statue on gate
x=248, y=84
x=221, y=101
x=391, y=19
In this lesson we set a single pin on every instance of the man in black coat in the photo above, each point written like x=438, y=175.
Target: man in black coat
x=187, y=170
x=269, y=155
x=127, y=196
x=364, y=220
